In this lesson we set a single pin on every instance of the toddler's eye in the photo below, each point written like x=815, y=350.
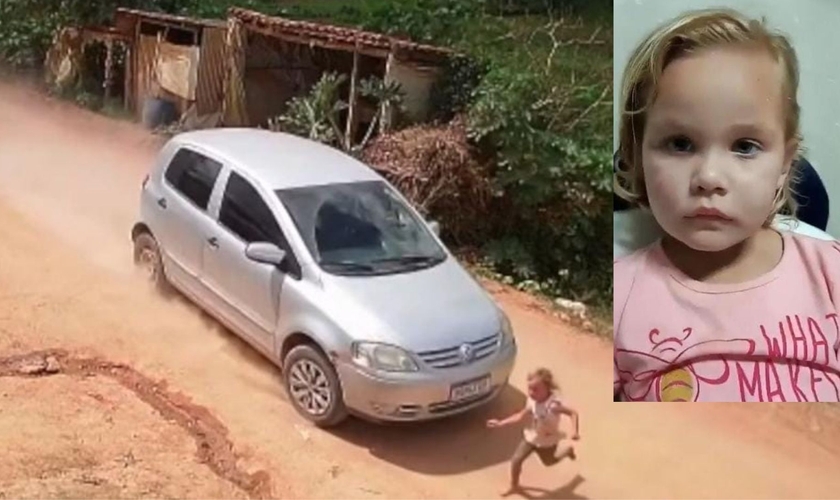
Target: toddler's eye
x=679, y=144
x=746, y=147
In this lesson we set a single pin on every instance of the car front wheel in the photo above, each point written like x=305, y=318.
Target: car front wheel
x=313, y=386
x=148, y=259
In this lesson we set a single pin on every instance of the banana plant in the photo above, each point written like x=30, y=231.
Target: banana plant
x=316, y=115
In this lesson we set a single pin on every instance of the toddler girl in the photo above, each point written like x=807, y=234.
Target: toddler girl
x=543, y=435
x=725, y=307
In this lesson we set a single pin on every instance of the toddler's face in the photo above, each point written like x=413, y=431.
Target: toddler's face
x=537, y=390
x=714, y=150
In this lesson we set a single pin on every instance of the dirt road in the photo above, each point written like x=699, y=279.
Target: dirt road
x=137, y=396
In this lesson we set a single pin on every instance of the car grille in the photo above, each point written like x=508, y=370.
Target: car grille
x=451, y=357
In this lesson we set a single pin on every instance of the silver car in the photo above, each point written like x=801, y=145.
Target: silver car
x=319, y=263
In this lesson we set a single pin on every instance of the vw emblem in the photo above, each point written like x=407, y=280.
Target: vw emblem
x=467, y=353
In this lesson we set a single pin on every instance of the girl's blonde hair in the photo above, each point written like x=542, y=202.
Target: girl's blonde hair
x=544, y=376
x=685, y=35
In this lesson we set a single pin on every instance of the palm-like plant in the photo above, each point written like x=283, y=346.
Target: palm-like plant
x=315, y=115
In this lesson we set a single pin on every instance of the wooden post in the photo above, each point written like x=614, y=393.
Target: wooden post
x=386, y=111
x=135, y=70
x=129, y=67
x=234, y=105
x=109, y=68
x=156, y=68
x=350, y=130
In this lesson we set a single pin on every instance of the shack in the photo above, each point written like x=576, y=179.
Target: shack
x=66, y=59
x=273, y=59
x=245, y=70
x=173, y=58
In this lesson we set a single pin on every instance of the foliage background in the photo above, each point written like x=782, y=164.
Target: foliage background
x=535, y=86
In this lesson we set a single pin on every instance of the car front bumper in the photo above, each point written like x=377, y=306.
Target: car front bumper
x=422, y=395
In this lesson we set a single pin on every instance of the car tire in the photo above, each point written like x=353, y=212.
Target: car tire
x=315, y=379
x=147, y=257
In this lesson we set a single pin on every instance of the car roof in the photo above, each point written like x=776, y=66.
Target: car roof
x=279, y=160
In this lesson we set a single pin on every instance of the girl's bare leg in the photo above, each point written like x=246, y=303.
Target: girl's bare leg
x=549, y=456
x=523, y=451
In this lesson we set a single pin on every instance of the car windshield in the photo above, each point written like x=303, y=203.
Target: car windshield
x=361, y=228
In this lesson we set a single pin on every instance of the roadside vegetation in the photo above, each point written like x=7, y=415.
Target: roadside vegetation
x=529, y=99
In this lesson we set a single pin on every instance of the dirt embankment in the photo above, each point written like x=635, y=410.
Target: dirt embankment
x=213, y=447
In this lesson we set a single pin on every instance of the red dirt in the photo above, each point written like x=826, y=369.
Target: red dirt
x=212, y=445
x=69, y=186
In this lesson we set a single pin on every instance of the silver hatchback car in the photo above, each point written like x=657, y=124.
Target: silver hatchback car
x=319, y=263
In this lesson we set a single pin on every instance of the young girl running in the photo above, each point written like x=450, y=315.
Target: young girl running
x=543, y=435
x=725, y=307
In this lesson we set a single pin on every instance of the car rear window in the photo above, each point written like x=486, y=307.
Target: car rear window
x=193, y=175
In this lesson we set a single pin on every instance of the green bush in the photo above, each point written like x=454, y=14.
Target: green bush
x=455, y=91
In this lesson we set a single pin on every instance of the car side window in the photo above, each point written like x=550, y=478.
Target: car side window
x=193, y=175
x=245, y=213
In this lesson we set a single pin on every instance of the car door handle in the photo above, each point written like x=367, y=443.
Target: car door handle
x=162, y=203
x=213, y=242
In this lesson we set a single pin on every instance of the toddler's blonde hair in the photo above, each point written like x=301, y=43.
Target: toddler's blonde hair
x=689, y=33
x=544, y=376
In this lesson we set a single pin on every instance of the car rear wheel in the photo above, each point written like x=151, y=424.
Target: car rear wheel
x=313, y=386
x=148, y=259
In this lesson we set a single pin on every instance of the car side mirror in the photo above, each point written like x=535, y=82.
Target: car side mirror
x=265, y=253
x=435, y=227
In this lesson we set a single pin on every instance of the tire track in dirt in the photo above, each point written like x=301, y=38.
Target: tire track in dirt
x=213, y=447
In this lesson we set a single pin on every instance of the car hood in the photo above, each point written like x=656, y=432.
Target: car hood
x=424, y=310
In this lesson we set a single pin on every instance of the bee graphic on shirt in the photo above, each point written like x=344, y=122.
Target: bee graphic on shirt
x=671, y=378
x=679, y=385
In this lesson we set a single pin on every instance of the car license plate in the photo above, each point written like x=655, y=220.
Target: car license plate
x=470, y=389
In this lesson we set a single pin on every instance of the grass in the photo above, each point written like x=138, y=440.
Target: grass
x=602, y=319
x=599, y=317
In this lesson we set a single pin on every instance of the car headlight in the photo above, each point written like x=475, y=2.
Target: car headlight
x=507, y=330
x=383, y=357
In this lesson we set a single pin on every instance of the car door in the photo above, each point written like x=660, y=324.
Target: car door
x=247, y=293
x=188, y=184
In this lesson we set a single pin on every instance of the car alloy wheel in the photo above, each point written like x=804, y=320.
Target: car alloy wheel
x=147, y=260
x=310, y=387
x=313, y=386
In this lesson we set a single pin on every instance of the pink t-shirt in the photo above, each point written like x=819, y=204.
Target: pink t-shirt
x=775, y=338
